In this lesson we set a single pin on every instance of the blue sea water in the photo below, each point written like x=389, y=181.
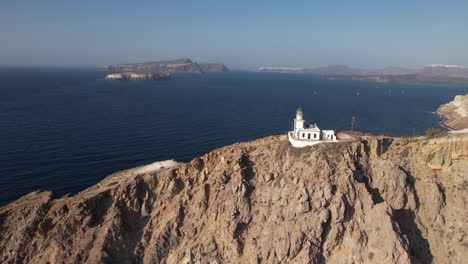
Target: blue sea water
x=66, y=129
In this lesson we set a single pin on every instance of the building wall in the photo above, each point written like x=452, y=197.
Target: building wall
x=301, y=144
x=309, y=135
x=299, y=124
x=328, y=135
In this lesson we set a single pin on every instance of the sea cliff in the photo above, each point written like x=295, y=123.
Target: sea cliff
x=455, y=113
x=367, y=200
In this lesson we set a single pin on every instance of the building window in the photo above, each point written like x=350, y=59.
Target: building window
x=303, y=135
x=315, y=135
x=308, y=136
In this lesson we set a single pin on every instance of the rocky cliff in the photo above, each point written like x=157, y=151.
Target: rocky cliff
x=368, y=200
x=139, y=76
x=455, y=113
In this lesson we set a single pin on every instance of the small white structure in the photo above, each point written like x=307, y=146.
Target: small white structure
x=303, y=136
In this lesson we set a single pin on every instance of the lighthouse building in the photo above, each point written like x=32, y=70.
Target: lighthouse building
x=307, y=135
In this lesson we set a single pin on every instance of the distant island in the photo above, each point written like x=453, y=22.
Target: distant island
x=434, y=73
x=169, y=66
x=139, y=76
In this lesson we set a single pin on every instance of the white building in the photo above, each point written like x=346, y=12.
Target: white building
x=303, y=135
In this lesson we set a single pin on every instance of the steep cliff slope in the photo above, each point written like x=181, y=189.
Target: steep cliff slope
x=455, y=113
x=372, y=200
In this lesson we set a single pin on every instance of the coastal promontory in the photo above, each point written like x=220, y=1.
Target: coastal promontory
x=455, y=113
x=369, y=199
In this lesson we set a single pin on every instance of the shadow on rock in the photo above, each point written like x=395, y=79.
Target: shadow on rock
x=419, y=247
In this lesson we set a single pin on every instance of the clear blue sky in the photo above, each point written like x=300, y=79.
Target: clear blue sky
x=241, y=34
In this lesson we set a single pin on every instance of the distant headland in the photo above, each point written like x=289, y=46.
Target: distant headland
x=455, y=113
x=158, y=70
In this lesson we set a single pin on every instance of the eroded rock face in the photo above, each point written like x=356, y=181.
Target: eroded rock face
x=374, y=200
x=455, y=113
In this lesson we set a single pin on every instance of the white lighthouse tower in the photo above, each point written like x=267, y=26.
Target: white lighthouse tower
x=298, y=121
x=309, y=135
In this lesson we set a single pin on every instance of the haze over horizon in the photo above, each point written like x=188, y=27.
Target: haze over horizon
x=240, y=34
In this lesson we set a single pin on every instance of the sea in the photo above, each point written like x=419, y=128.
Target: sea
x=66, y=129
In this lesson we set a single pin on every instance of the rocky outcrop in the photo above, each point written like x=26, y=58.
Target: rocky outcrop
x=139, y=76
x=455, y=113
x=371, y=200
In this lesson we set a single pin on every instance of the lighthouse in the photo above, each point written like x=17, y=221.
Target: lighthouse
x=307, y=135
x=299, y=120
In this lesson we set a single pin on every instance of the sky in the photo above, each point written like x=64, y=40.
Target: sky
x=241, y=34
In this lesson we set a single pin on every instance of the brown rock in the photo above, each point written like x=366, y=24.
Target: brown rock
x=372, y=200
x=455, y=113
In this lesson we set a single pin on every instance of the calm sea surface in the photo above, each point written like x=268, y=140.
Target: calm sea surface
x=66, y=129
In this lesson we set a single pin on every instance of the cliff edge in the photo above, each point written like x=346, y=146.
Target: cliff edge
x=455, y=113
x=368, y=200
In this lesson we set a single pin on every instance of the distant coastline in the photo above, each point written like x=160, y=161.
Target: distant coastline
x=434, y=73
x=407, y=78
